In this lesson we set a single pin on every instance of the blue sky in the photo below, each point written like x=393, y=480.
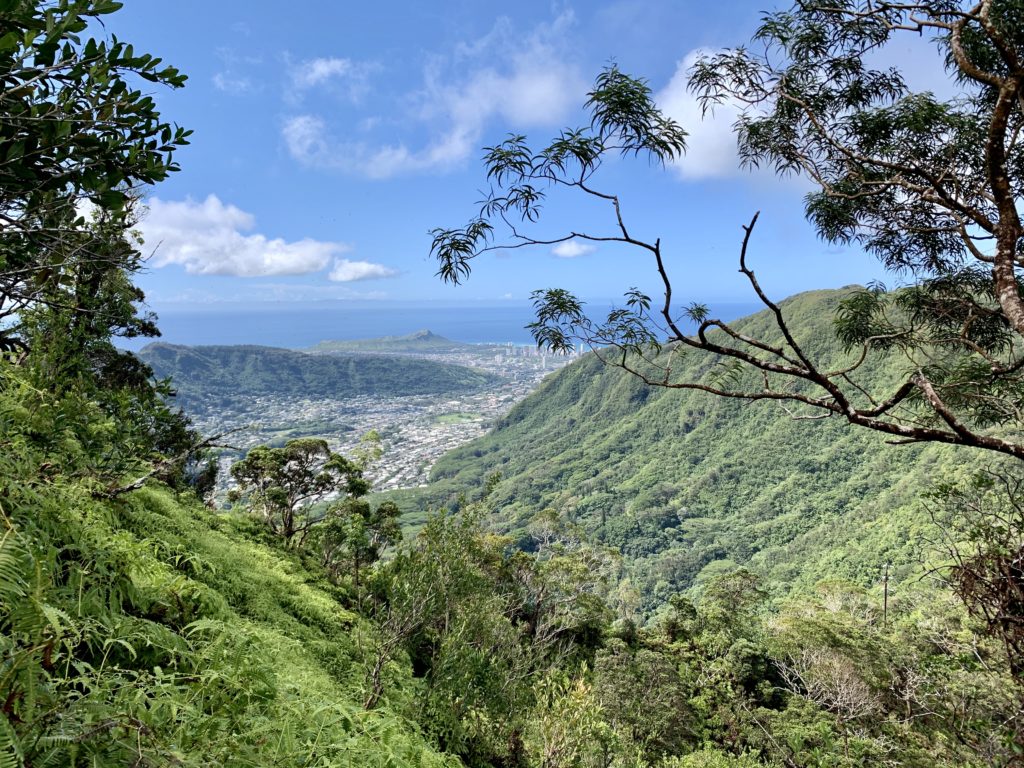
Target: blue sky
x=331, y=136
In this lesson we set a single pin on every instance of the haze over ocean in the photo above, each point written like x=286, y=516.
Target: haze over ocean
x=298, y=326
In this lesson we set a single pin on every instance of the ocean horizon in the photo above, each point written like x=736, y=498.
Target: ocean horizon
x=301, y=326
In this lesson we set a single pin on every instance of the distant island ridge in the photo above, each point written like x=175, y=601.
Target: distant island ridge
x=423, y=341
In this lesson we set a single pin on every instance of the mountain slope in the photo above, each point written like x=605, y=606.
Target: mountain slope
x=149, y=630
x=685, y=484
x=255, y=370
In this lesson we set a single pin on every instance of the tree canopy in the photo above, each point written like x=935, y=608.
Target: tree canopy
x=284, y=485
x=928, y=184
x=76, y=129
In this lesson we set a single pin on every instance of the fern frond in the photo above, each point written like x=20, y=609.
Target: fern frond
x=15, y=562
x=11, y=755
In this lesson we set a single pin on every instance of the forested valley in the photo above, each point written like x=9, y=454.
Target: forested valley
x=792, y=540
x=685, y=486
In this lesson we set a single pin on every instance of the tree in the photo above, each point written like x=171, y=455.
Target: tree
x=643, y=700
x=482, y=623
x=985, y=548
x=448, y=599
x=560, y=590
x=356, y=534
x=79, y=143
x=75, y=129
x=68, y=332
x=284, y=485
x=567, y=728
x=928, y=185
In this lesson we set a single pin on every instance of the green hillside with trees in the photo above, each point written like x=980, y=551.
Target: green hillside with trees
x=686, y=485
x=299, y=628
x=148, y=630
x=202, y=372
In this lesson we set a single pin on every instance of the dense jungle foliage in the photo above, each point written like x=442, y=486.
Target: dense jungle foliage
x=138, y=627
x=148, y=630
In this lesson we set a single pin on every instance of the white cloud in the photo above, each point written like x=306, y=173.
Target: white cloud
x=232, y=77
x=308, y=140
x=571, y=249
x=316, y=71
x=524, y=82
x=346, y=271
x=229, y=83
x=711, y=144
x=305, y=137
x=209, y=238
x=352, y=78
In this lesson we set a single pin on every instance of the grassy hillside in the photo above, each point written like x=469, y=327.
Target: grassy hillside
x=686, y=485
x=254, y=370
x=420, y=341
x=149, y=630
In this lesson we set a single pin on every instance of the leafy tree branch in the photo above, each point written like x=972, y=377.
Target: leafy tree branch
x=927, y=185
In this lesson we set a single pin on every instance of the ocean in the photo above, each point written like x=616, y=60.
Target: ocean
x=300, y=326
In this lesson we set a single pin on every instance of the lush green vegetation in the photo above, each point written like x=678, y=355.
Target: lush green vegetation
x=148, y=630
x=685, y=485
x=927, y=181
x=138, y=627
x=205, y=372
x=420, y=341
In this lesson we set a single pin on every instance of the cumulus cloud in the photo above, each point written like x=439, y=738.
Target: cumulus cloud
x=571, y=249
x=711, y=144
x=306, y=137
x=346, y=271
x=233, y=76
x=351, y=78
x=525, y=81
x=213, y=238
x=309, y=141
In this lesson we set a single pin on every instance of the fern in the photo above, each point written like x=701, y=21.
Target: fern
x=149, y=632
x=14, y=560
x=10, y=749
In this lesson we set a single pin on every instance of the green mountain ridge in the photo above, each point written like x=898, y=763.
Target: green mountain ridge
x=256, y=370
x=686, y=485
